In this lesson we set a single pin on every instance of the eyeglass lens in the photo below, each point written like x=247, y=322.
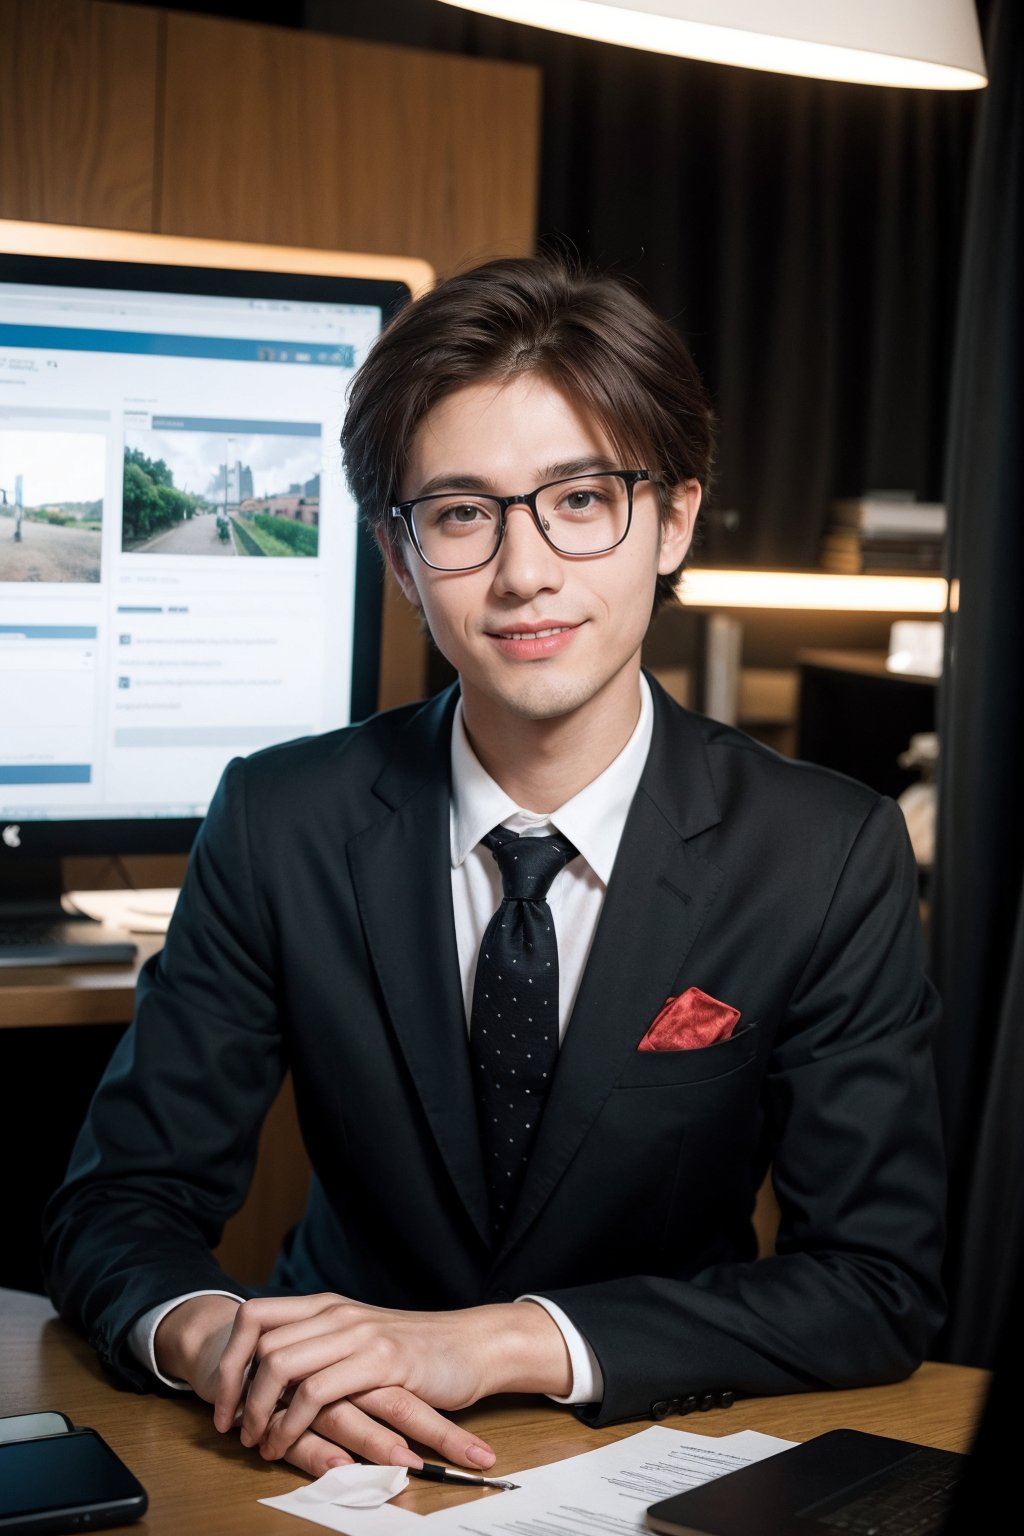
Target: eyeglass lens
x=582, y=516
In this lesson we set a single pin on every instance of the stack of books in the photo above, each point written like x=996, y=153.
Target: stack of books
x=891, y=533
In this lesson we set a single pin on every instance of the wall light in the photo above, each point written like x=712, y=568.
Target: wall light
x=812, y=590
x=926, y=44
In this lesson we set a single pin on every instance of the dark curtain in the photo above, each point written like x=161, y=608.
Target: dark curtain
x=978, y=913
x=804, y=235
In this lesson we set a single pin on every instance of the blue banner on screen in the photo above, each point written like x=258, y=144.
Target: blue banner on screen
x=56, y=338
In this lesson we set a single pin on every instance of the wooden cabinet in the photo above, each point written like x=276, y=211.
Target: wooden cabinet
x=126, y=118
x=79, y=87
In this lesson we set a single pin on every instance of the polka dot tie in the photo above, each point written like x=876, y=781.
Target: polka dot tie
x=514, y=1023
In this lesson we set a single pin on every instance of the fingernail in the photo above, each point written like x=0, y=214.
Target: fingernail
x=401, y=1456
x=246, y=1438
x=480, y=1456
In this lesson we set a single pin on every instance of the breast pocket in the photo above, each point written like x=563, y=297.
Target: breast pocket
x=675, y=1131
x=670, y=1069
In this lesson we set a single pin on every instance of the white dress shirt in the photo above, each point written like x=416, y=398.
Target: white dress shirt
x=593, y=821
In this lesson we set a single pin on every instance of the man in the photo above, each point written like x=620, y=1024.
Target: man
x=543, y=1188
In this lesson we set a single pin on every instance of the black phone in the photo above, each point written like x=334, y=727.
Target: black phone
x=66, y=1482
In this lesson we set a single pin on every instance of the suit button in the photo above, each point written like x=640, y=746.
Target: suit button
x=661, y=1408
x=726, y=1399
x=706, y=1402
x=688, y=1404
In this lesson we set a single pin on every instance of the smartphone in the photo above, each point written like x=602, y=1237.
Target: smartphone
x=66, y=1482
x=27, y=1426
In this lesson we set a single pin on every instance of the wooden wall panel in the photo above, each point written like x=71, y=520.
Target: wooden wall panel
x=78, y=95
x=305, y=139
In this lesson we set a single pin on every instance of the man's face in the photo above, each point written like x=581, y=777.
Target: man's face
x=535, y=635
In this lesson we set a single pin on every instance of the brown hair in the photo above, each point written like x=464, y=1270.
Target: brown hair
x=592, y=334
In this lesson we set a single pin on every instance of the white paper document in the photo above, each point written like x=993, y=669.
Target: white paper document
x=598, y=1493
x=604, y=1492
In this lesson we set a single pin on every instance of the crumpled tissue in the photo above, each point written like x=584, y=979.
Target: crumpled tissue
x=358, y=1487
x=349, y=1487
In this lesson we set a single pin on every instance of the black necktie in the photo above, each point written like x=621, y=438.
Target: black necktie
x=514, y=1021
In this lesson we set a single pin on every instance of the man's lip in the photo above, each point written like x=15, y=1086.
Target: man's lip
x=544, y=627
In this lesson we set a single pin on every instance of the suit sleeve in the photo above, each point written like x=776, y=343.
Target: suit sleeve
x=168, y=1146
x=851, y=1296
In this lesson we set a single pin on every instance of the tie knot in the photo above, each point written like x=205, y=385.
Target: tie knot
x=528, y=864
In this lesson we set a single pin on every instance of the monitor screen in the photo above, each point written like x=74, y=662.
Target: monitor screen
x=183, y=575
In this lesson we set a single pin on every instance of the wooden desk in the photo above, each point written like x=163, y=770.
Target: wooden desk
x=202, y=1482
x=31, y=996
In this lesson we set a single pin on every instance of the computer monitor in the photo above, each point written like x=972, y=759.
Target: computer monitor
x=183, y=577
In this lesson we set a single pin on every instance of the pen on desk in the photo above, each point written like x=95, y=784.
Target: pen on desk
x=438, y=1474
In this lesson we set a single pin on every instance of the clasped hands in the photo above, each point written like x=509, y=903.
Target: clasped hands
x=319, y=1380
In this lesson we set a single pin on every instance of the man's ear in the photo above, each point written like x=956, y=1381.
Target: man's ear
x=394, y=554
x=677, y=526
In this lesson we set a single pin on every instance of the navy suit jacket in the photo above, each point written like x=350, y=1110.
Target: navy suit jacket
x=315, y=932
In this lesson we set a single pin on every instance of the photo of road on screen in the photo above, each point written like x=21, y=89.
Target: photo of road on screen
x=226, y=489
x=51, y=505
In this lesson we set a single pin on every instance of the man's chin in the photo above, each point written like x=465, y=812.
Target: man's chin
x=539, y=699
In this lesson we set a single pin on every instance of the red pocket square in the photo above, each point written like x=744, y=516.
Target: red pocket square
x=690, y=1021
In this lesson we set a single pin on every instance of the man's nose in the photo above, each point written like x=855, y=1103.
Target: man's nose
x=525, y=561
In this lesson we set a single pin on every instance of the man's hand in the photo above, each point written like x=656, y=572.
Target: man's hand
x=190, y=1345
x=313, y=1378
x=295, y=1363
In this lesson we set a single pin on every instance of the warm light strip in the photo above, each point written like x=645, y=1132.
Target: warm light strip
x=28, y=239
x=724, y=44
x=812, y=589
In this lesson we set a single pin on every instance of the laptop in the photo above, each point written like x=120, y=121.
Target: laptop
x=843, y=1482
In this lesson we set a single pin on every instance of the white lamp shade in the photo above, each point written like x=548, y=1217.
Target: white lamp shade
x=927, y=44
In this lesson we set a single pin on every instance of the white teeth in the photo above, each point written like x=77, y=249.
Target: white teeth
x=538, y=634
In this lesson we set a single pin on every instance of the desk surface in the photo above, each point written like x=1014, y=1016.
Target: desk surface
x=31, y=996
x=202, y=1482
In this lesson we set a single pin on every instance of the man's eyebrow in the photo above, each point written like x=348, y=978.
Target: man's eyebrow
x=454, y=482
x=590, y=464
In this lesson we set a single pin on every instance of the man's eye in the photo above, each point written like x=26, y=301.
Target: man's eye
x=461, y=514
x=583, y=501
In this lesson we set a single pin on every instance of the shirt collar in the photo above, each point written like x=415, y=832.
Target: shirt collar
x=592, y=820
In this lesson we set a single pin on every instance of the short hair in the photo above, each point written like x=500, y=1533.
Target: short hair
x=590, y=333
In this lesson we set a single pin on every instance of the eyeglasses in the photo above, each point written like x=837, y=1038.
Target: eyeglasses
x=582, y=515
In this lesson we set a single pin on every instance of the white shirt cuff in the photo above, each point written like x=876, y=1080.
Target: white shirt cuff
x=143, y=1332
x=587, y=1376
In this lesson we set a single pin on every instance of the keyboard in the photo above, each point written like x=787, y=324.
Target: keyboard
x=56, y=943
x=911, y=1498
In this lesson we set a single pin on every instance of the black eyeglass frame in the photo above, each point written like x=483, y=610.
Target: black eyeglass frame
x=631, y=477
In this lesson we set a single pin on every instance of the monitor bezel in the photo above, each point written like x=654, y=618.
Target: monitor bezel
x=66, y=256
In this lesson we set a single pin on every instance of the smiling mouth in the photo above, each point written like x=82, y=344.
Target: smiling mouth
x=533, y=634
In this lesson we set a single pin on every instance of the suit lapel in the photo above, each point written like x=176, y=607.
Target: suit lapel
x=659, y=893
x=401, y=868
